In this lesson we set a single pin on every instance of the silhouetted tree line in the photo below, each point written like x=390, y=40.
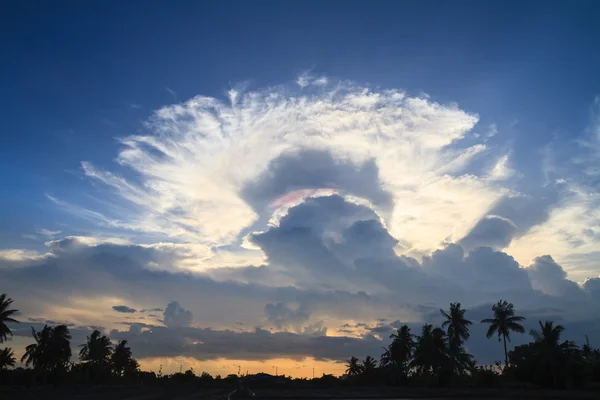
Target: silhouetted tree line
x=437, y=356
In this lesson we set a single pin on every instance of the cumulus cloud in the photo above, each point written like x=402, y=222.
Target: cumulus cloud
x=177, y=316
x=124, y=309
x=549, y=277
x=284, y=317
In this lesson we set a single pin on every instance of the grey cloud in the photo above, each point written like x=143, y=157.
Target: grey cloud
x=316, y=169
x=332, y=259
x=549, y=277
x=284, y=317
x=176, y=316
x=124, y=309
x=260, y=344
x=592, y=287
x=512, y=216
x=152, y=310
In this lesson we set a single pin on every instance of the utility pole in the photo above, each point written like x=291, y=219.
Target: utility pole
x=180, y=367
x=313, y=372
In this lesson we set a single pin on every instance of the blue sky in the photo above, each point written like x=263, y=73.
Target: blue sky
x=501, y=146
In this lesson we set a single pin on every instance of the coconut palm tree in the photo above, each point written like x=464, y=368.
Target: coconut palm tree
x=386, y=357
x=5, y=316
x=402, y=346
x=368, y=365
x=353, y=368
x=51, y=350
x=457, y=325
x=7, y=358
x=97, y=350
x=549, y=337
x=431, y=351
x=504, y=322
x=121, y=357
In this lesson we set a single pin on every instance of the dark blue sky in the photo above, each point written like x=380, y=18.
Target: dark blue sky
x=71, y=70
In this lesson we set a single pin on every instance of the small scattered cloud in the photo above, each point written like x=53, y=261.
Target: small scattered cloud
x=172, y=93
x=124, y=309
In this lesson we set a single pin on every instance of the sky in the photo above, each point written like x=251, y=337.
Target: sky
x=243, y=185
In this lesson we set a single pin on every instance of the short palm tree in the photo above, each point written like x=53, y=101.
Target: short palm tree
x=121, y=357
x=7, y=358
x=353, y=368
x=97, y=349
x=549, y=337
x=386, y=357
x=457, y=325
x=504, y=322
x=51, y=350
x=369, y=365
x=5, y=316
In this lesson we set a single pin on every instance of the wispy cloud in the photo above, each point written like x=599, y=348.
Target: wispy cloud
x=172, y=93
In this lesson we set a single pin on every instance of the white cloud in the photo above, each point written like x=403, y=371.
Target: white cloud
x=190, y=170
x=501, y=170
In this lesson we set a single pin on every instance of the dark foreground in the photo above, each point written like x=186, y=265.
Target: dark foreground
x=191, y=392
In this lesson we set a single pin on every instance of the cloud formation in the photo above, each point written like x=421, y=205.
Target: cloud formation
x=326, y=207
x=124, y=309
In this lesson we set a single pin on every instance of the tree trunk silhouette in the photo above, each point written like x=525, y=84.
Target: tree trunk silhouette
x=505, y=352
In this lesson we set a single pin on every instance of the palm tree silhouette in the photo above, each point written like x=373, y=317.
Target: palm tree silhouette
x=386, y=357
x=431, y=351
x=7, y=358
x=369, y=365
x=97, y=349
x=353, y=368
x=549, y=337
x=51, y=350
x=457, y=325
x=504, y=322
x=402, y=346
x=5, y=316
x=121, y=357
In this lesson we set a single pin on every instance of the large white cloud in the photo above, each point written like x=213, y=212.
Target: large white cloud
x=208, y=170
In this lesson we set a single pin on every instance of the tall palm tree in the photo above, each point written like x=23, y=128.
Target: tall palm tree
x=353, y=368
x=457, y=325
x=51, y=350
x=121, y=357
x=5, y=316
x=7, y=358
x=504, y=322
x=402, y=346
x=97, y=350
